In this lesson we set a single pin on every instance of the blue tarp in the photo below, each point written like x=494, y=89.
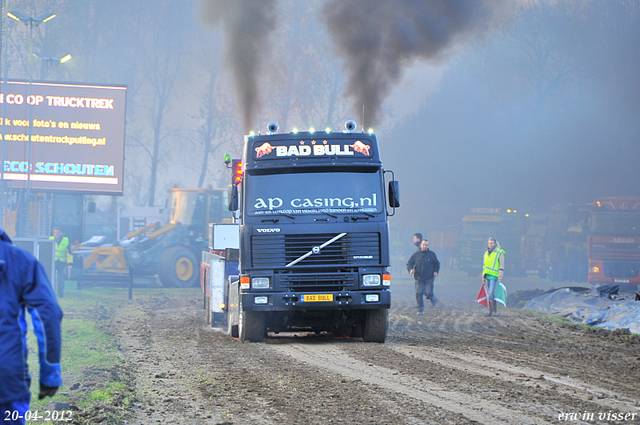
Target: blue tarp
x=589, y=310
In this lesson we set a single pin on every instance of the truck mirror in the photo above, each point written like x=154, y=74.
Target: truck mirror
x=232, y=194
x=394, y=194
x=91, y=207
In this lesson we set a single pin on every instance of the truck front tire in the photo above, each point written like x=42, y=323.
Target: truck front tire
x=375, y=326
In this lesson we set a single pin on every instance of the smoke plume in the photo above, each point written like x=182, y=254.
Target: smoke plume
x=247, y=25
x=379, y=39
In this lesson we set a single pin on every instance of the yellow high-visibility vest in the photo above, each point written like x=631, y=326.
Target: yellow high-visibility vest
x=491, y=263
x=62, y=250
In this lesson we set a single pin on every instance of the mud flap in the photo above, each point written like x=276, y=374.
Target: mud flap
x=252, y=326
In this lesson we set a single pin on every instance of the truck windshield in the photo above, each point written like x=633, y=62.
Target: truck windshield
x=191, y=207
x=615, y=224
x=314, y=193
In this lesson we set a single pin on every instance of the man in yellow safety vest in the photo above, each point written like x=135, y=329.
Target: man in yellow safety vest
x=63, y=259
x=492, y=272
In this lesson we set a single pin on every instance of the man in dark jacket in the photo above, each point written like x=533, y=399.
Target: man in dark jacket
x=424, y=266
x=417, y=240
x=25, y=286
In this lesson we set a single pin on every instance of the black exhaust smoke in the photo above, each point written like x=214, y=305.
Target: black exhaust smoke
x=379, y=39
x=247, y=25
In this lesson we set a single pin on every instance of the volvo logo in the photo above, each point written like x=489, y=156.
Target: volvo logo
x=270, y=230
x=316, y=250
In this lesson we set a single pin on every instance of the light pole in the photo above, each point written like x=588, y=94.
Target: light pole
x=30, y=22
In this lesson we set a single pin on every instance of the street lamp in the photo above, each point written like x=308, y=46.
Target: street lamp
x=47, y=61
x=52, y=61
x=28, y=20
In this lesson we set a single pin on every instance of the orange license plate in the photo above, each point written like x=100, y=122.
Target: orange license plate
x=317, y=297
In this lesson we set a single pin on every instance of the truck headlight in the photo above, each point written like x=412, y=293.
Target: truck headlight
x=371, y=280
x=260, y=282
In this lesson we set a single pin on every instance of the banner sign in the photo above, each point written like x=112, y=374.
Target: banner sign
x=67, y=137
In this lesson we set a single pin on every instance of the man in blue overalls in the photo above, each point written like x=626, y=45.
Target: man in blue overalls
x=25, y=286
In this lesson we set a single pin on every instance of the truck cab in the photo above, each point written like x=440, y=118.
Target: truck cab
x=614, y=242
x=314, y=236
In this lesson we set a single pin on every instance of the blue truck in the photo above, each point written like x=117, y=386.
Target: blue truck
x=313, y=236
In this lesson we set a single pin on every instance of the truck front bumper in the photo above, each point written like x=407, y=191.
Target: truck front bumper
x=289, y=301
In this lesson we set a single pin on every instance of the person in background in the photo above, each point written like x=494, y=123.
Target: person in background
x=424, y=266
x=492, y=273
x=24, y=286
x=63, y=258
x=417, y=240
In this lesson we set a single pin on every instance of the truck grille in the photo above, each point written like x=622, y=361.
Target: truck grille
x=315, y=282
x=276, y=251
x=626, y=269
x=614, y=251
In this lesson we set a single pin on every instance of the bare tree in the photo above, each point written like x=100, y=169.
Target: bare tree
x=162, y=65
x=215, y=110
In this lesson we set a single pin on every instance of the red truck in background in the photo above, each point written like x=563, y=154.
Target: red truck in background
x=614, y=242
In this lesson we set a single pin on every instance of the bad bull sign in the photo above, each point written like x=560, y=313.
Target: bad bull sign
x=313, y=148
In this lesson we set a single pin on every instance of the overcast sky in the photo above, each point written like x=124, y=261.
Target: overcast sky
x=493, y=103
x=485, y=103
x=544, y=112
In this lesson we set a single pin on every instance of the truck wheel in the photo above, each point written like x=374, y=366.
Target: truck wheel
x=375, y=326
x=178, y=268
x=251, y=326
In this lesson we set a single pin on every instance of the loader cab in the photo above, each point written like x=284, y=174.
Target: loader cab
x=196, y=208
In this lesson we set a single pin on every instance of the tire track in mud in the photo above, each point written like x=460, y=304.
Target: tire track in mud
x=164, y=390
x=330, y=358
x=445, y=318
x=451, y=365
x=521, y=340
x=560, y=368
x=480, y=365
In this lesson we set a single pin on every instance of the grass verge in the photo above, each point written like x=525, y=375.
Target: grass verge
x=93, y=371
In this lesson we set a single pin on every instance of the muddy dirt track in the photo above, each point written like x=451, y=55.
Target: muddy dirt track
x=452, y=365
